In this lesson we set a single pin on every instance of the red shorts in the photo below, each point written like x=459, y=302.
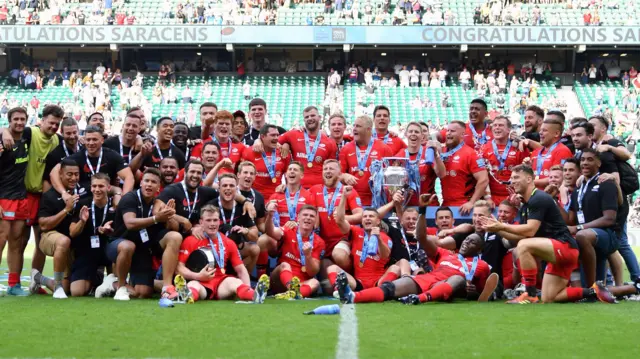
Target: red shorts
x=566, y=260
x=507, y=270
x=32, y=203
x=212, y=286
x=14, y=209
x=428, y=280
x=366, y=283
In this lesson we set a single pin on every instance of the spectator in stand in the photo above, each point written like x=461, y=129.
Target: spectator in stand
x=4, y=14
x=464, y=78
x=414, y=77
x=404, y=77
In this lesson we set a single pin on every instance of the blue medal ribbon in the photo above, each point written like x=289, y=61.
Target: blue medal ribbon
x=385, y=139
x=413, y=170
x=362, y=159
x=540, y=160
x=448, y=154
x=292, y=208
x=378, y=198
x=482, y=139
x=465, y=268
x=229, y=144
x=311, y=153
x=271, y=165
x=369, y=246
x=303, y=261
x=331, y=204
x=502, y=158
x=218, y=256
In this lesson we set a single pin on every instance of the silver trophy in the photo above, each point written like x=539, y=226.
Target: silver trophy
x=395, y=178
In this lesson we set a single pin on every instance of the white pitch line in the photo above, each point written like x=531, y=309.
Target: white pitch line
x=347, y=347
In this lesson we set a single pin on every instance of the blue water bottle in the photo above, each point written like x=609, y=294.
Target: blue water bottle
x=325, y=310
x=430, y=156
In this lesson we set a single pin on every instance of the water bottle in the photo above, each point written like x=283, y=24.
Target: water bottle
x=325, y=310
x=430, y=156
x=166, y=303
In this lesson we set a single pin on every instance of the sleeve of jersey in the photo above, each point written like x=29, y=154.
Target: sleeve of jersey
x=196, y=151
x=166, y=195
x=119, y=162
x=285, y=138
x=128, y=205
x=475, y=164
x=354, y=200
x=186, y=248
x=574, y=201
x=344, y=165
x=537, y=208
x=608, y=191
x=400, y=143
x=234, y=254
x=562, y=155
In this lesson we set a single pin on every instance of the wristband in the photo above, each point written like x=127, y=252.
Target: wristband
x=154, y=220
x=423, y=211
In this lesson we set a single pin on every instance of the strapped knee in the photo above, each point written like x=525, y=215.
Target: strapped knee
x=389, y=290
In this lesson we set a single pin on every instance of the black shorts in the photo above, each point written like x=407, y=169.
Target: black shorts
x=85, y=265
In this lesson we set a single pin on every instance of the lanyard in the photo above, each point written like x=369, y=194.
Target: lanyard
x=502, y=158
x=218, y=256
x=130, y=151
x=229, y=144
x=142, y=206
x=362, y=159
x=160, y=152
x=271, y=165
x=93, y=215
x=582, y=191
x=465, y=268
x=482, y=139
x=292, y=208
x=331, y=205
x=311, y=153
x=253, y=195
x=91, y=166
x=224, y=218
x=448, y=154
x=406, y=243
x=540, y=160
x=190, y=207
x=418, y=155
x=301, y=244
x=66, y=151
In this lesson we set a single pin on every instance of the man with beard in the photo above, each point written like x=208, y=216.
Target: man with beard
x=237, y=222
x=95, y=158
x=464, y=272
x=69, y=146
x=13, y=193
x=138, y=236
x=89, y=231
x=533, y=117
x=466, y=178
x=406, y=252
x=301, y=254
x=54, y=217
x=476, y=132
x=164, y=147
x=96, y=119
x=269, y=162
x=551, y=153
x=310, y=147
x=212, y=164
x=223, y=138
x=356, y=158
x=501, y=155
x=337, y=126
x=425, y=181
x=543, y=235
x=258, y=115
x=246, y=176
x=126, y=143
x=382, y=120
x=168, y=172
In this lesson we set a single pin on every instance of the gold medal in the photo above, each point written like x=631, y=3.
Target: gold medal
x=360, y=264
x=360, y=173
x=273, y=180
x=222, y=270
x=309, y=164
x=304, y=269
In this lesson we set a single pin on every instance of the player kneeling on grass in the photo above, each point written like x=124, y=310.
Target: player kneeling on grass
x=301, y=253
x=206, y=264
x=463, y=272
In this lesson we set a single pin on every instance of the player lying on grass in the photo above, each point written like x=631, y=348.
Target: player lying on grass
x=301, y=252
x=208, y=265
x=464, y=272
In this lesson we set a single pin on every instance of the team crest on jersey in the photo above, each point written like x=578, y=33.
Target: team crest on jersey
x=452, y=173
x=318, y=159
x=322, y=145
x=81, y=191
x=455, y=158
x=595, y=188
x=373, y=153
x=234, y=150
x=512, y=153
x=423, y=178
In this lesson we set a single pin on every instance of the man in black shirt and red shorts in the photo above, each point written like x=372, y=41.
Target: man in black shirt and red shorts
x=543, y=235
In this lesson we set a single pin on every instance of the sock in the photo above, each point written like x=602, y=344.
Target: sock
x=306, y=290
x=575, y=294
x=194, y=294
x=14, y=278
x=389, y=277
x=440, y=292
x=529, y=277
x=245, y=292
x=262, y=263
x=332, y=278
x=58, y=277
x=424, y=297
x=285, y=277
x=371, y=295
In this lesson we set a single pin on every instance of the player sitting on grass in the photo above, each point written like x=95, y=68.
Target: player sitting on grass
x=464, y=271
x=301, y=253
x=207, y=265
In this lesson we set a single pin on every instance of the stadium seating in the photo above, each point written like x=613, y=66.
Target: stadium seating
x=399, y=101
x=586, y=95
x=57, y=94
